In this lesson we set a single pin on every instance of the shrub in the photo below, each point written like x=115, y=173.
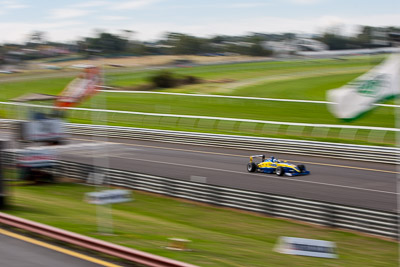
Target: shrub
x=164, y=79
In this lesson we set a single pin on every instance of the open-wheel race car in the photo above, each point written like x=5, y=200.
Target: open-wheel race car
x=273, y=165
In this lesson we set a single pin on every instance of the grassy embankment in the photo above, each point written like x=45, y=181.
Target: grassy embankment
x=220, y=237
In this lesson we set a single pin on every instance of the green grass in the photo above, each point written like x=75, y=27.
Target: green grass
x=220, y=237
x=292, y=79
x=11, y=90
x=242, y=71
x=309, y=88
x=251, y=109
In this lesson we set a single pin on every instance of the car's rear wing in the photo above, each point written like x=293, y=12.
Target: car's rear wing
x=257, y=156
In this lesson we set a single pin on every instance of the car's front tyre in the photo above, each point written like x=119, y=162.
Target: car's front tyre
x=251, y=167
x=302, y=168
x=279, y=171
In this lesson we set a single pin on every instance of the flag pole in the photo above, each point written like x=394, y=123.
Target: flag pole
x=397, y=140
x=101, y=160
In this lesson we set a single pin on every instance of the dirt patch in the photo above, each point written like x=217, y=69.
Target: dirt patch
x=221, y=81
x=155, y=60
x=189, y=80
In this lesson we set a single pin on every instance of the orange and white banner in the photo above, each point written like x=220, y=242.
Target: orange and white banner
x=80, y=88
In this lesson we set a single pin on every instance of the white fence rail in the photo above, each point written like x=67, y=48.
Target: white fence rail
x=389, y=155
x=222, y=124
x=115, y=90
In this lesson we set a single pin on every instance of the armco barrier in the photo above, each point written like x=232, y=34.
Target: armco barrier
x=380, y=154
x=121, y=252
x=318, y=212
x=323, y=213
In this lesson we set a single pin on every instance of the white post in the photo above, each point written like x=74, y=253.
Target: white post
x=397, y=125
x=100, y=160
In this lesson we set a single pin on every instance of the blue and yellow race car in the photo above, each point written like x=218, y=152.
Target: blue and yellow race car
x=273, y=165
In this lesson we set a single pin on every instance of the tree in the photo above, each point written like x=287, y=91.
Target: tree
x=127, y=34
x=188, y=45
x=35, y=39
x=217, y=39
x=105, y=43
x=257, y=50
x=2, y=53
x=335, y=42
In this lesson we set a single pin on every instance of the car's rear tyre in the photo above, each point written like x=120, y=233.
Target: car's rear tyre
x=251, y=167
x=302, y=168
x=279, y=171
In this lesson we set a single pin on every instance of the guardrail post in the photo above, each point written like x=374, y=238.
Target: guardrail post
x=271, y=128
x=376, y=136
x=267, y=204
x=169, y=187
x=134, y=180
x=72, y=171
x=352, y=133
x=58, y=168
x=215, y=195
x=258, y=128
x=236, y=126
x=330, y=219
x=177, y=121
x=85, y=114
x=65, y=169
x=196, y=123
x=292, y=129
x=329, y=133
x=141, y=120
x=320, y=132
x=282, y=129
x=159, y=121
x=215, y=126
x=88, y=169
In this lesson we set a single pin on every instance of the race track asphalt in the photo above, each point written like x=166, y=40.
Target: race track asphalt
x=355, y=183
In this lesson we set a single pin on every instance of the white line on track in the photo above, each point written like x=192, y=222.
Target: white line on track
x=261, y=175
x=244, y=156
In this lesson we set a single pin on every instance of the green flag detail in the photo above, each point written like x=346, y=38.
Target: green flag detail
x=360, y=95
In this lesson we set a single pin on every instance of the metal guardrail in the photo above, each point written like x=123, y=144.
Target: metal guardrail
x=107, y=248
x=317, y=212
x=379, y=154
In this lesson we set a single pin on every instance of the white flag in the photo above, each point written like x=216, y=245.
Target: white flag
x=357, y=97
